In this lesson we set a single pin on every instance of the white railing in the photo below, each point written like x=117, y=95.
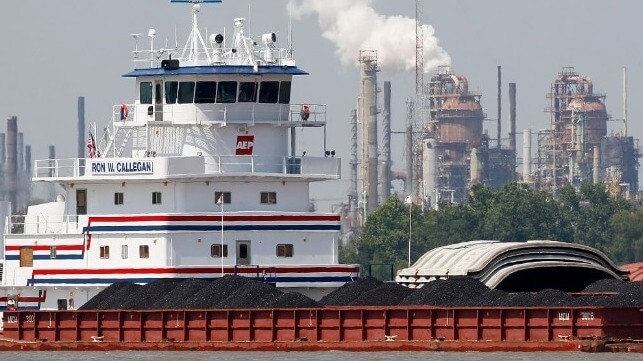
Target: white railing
x=41, y=224
x=305, y=166
x=146, y=58
x=248, y=113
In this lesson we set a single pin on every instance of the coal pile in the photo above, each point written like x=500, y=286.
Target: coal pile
x=97, y=302
x=237, y=292
x=254, y=294
x=224, y=293
x=350, y=292
x=387, y=294
x=176, y=299
x=454, y=291
x=294, y=300
x=490, y=298
x=120, y=297
x=147, y=295
x=613, y=285
x=216, y=292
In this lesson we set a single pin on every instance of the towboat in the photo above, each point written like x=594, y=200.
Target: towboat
x=198, y=177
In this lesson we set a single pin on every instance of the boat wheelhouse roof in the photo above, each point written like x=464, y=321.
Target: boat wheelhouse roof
x=218, y=69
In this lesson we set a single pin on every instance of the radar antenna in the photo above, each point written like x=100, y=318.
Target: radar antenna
x=195, y=41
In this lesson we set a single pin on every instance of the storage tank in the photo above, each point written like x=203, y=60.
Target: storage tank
x=592, y=111
x=460, y=120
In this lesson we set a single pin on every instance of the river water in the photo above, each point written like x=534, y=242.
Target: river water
x=314, y=356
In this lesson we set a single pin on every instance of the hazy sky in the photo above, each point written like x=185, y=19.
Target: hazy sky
x=54, y=51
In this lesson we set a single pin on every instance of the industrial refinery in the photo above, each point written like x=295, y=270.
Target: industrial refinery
x=447, y=148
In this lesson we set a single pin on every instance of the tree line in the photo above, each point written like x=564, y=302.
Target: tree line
x=516, y=212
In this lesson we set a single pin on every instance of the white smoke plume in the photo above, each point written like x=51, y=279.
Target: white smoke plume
x=353, y=25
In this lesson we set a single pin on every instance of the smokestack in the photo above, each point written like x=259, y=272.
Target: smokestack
x=526, y=155
x=475, y=168
x=20, y=153
x=353, y=163
x=3, y=147
x=596, y=160
x=512, y=116
x=52, y=156
x=408, y=143
x=81, y=127
x=12, y=160
x=430, y=170
x=368, y=114
x=499, y=105
x=624, y=101
x=386, y=144
x=28, y=159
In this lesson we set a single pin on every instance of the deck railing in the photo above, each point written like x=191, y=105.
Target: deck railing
x=305, y=166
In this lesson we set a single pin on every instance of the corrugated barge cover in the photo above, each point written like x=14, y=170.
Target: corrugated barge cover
x=491, y=261
x=216, y=69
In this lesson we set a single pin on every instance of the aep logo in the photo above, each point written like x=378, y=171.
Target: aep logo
x=245, y=144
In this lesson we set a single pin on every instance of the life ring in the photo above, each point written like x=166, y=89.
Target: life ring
x=124, y=112
x=305, y=112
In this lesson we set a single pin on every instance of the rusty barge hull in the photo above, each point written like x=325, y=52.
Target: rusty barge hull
x=332, y=328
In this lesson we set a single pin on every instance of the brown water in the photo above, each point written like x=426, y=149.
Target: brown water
x=313, y=356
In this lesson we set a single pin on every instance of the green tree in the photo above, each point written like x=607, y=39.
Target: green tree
x=627, y=243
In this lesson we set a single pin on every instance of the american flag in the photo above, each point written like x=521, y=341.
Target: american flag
x=91, y=144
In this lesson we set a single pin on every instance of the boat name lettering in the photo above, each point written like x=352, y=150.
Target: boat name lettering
x=120, y=167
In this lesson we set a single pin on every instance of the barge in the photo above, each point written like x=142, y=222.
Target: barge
x=367, y=328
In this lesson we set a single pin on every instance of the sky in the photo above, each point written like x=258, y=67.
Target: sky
x=54, y=51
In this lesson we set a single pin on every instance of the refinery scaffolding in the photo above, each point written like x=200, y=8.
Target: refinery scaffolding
x=576, y=148
x=451, y=134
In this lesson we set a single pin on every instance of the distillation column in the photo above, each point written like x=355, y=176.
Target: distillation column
x=385, y=180
x=368, y=115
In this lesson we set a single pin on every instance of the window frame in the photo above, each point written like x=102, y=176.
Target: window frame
x=230, y=97
x=144, y=251
x=215, y=250
x=171, y=92
x=247, y=87
x=271, y=95
x=285, y=250
x=284, y=92
x=104, y=252
x=119, y=198
x=182, y=86
x=157, y=198
x=205, y=100
x=146, y=100
x=268, y=198
x=227, y=197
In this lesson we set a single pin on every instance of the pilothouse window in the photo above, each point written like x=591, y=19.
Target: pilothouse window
x=186, y=92
x=145, y=95
x=269, y=92
x=284, y=92
x=227, y=92
x=247, y=92
x=205, y=92
x=171, y=91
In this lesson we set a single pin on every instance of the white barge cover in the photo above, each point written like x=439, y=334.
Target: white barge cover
x=514, y=266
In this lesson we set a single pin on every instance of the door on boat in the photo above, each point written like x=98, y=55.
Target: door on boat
x=81, y=201
x=158, y=101
x=243, y=252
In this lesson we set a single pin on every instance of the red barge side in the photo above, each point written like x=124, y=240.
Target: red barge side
x=368, y=328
